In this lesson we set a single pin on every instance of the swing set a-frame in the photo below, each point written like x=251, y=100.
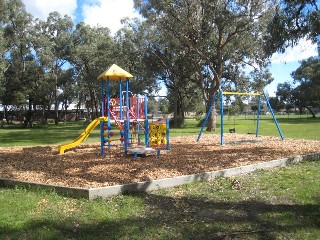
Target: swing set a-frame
x=221, y=93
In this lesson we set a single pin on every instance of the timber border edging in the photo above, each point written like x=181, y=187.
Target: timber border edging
x=147, y=186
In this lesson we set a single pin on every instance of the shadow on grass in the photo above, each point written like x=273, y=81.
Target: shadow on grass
x=181, y=218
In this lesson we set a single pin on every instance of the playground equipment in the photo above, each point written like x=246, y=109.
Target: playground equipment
x=159, y=134
x=83, y=135
x=222, y=113
x=128, y=113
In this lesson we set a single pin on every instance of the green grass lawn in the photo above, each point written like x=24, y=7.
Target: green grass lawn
x=282, y=203
x=13, y=135
x=292, y=127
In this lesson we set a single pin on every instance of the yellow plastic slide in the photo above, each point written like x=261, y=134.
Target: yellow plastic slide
x=83, y=135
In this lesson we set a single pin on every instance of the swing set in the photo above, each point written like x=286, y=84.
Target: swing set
x=259, y=95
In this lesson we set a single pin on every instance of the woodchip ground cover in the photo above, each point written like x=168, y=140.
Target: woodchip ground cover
x=84, y=167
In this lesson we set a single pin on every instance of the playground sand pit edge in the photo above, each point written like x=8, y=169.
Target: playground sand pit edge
x=84, y=167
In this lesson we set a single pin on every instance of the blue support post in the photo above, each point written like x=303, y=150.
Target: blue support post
x=258, y=116
x=146, y=122
x=101, y=122
x=108, y=108
x=127, y=112
x=138, y=115
x=207, y=116
x=168, y=133
x=221, y=119
x=273, y=115
x=126, y=139
x=127, y=97
x=120, y=100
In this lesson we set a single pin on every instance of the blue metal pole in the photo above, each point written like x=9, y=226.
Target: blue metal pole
x=101, y=122
x=108, y=108
x=138, y=114
x=146, y=122
x=258, y=116
x=274, y=116
x=221, y=118
x=120, y=100
x=207, y=116
x=108, y=100
x=128, y=113
x=168, y=133
x=121, y=106
x=125, y=136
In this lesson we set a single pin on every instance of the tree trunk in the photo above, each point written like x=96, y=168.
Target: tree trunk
x=175, y=117
x=77, y=112
x=97, y=105
x=65, y=111
x=212, y=120
x=212, y=123
x=5, y=112
x=311, y=111
x=56, y=113
x=179, y=112
x=28, y=118
x=48, y=112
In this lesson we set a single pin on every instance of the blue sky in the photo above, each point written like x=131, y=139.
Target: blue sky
x=108, y=13
x=281, y=73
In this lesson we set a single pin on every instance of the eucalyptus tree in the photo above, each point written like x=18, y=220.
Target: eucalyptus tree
x=17, y=55
x=284, y=94
x=304, y=92
x=92, y=52
x=156, y=65
x=131, y=46
x=307, y=93
x=276, y=104
x=52, y=44
x=173, y=68
x=292, y=21
x=166, y=63
x=3, y=45
x=68, y=86
x=3, y=62
x=218, y=34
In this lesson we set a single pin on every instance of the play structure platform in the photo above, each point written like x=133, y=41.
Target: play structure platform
x=142, y=151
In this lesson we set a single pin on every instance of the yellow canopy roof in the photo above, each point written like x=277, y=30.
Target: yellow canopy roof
x=114, y=73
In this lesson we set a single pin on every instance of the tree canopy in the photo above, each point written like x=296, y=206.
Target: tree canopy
x=219, y=39
x=193, y=47
x=292, y=21
x=304, y=92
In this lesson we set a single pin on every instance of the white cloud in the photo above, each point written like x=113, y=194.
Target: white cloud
x=108, y=13
x=41, y=8
x=303, y=50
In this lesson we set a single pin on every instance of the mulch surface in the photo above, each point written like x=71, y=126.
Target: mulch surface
x=84, y=167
